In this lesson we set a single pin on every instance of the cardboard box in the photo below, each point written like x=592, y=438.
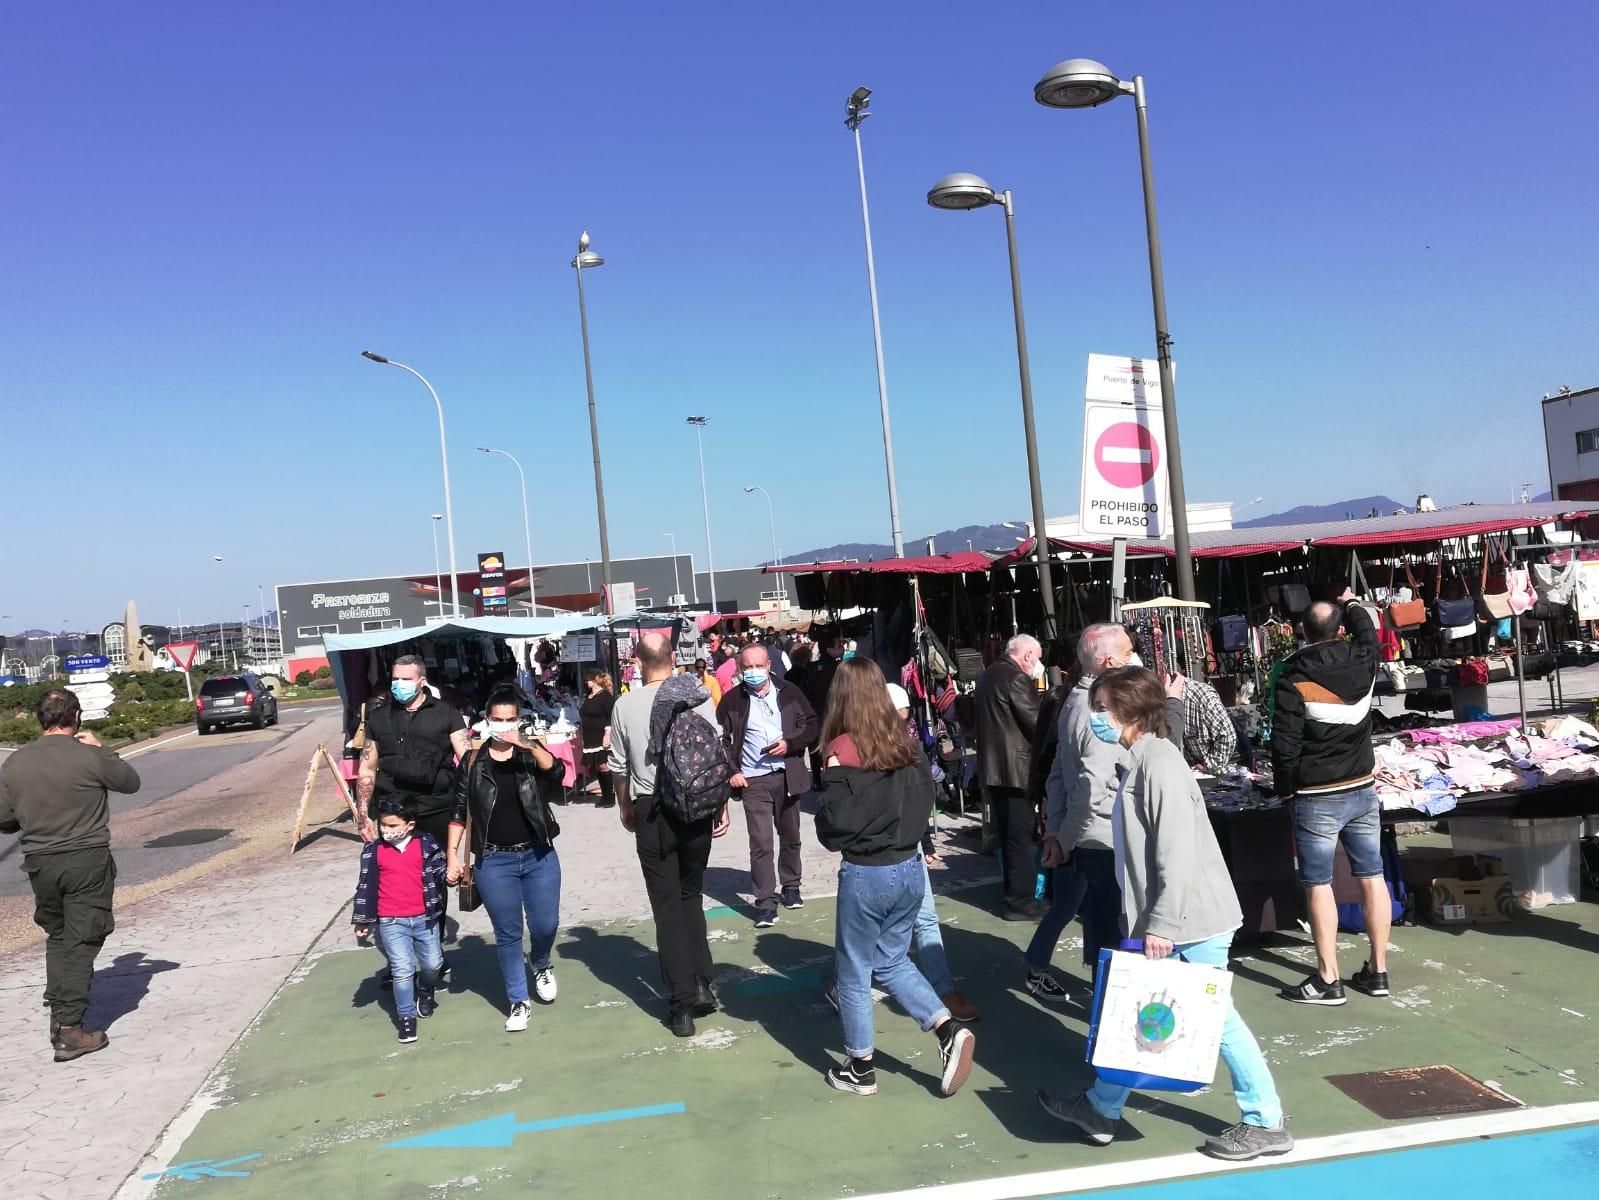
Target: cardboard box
x=1459, y=890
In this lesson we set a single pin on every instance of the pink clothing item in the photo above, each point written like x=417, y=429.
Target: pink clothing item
x=1467, y=731
x=400, y=880
x=725, y=674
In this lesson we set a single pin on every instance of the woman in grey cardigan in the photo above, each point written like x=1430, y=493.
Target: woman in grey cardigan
x=1177, y=898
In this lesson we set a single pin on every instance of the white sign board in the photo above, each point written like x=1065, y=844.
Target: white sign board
x=580, y=647
x=92, y=695
x=1119, y=380
x=89, y=677
x=624, y=599
x=94, y=714
x=1125, y=480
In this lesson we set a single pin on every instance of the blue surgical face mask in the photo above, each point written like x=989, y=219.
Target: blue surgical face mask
x=1105, y=729
x=404, y=690
x=754, y=678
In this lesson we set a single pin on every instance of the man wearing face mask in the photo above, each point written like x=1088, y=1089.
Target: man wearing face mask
x=769, y=726
x=1079, y=796
x=412, y=741
x=1007, y=703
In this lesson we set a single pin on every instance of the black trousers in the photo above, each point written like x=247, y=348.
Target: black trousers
x=1101, y=910
x=72, y=903
x=673, y=855
x=1016, y=820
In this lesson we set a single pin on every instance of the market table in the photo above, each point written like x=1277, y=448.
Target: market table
x=1561, y=798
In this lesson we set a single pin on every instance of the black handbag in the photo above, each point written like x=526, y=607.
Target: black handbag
x=467, y=898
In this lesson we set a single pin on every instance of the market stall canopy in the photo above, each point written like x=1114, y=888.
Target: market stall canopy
x=506, y=627
x=959, y=562
x=1465, y=521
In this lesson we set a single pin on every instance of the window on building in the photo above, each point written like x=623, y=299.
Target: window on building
x=315, y=631
x=369, y=626
x=1587, y=441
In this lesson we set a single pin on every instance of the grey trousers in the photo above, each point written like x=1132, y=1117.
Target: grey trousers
x=767, y=805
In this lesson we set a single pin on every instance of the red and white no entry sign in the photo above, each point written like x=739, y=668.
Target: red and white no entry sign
x=1126, y=455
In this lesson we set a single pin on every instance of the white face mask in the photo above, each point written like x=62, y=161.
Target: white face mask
x=394, y=837
x=1135, y=659
x=495, y=728
x=1038, y=669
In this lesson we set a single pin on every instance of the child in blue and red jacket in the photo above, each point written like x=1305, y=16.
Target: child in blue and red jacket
x=400, y=893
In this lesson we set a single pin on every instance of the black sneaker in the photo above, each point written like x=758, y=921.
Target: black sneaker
x=955, y=1046
x=1242, y=1143
x=831, y=992
x=386, y=980
x=854, y=1076
x=444, y=974
x=1372, y=983
x=1316, y=990
x=765, y=918
x=704, y=1003
x=1077, y=1112
x=1043, y=986
x=791, y=898
x=407, y=1027
x=426, y=1003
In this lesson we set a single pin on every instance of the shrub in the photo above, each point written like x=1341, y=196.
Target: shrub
x=303, y=679
x=322, y=684
x=324, y=672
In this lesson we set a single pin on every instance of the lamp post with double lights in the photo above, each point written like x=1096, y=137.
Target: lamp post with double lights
x=962, y=193
x=855, y=115
x=527, y=530
x=699, y=424
x=1084, y=83
x=444, y=459
x=587, y=260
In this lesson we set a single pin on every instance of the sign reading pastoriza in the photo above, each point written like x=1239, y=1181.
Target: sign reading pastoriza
x=355, y=605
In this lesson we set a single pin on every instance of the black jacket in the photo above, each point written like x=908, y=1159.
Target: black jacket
x=801, y=728
x=1007, y=715
x=875, y=818
x=815, y=679
x=1046, y=741
x=1321, y=730
x=475, y=786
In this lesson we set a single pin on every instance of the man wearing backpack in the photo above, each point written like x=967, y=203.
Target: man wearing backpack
x=672, y=851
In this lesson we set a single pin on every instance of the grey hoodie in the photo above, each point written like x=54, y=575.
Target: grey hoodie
x=1174, y=881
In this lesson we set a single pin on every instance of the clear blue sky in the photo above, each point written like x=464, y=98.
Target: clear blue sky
x=1378, y=259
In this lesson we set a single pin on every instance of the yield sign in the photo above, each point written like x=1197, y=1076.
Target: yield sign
x=1126, y=455
x=182, y=652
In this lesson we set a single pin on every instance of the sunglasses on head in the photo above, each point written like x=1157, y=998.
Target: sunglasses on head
x=392, y=808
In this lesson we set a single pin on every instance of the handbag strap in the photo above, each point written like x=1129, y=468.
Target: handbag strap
x=1357, y=573
x=1410, y=577
x=466, y=837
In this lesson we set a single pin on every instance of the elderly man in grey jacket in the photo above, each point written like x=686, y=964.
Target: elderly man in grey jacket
x=1078, y=795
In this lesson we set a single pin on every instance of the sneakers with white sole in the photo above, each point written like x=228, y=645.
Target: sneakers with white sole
x=517, y=1021
x=955, y=1046
x=1242, y=1143
x=544, y=985
x=854, y=1076
x=1041, y=985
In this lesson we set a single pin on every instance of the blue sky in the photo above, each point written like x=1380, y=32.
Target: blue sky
x=1378, y=222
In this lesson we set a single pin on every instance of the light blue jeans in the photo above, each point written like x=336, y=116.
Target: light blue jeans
x=513, y=883
x=411, y=944
x=877, y=910
x=928, y=942
x=1253, y=1086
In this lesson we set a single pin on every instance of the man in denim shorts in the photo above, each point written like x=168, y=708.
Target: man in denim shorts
x=1322, y=761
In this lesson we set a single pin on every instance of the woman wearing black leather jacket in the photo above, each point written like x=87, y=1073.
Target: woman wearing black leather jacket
x=506, y=785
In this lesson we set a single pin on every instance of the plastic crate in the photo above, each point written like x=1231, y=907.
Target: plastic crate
x=1540, y=857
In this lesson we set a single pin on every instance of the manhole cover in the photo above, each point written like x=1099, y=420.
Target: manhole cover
x=1420, y=1092
x=186, y=837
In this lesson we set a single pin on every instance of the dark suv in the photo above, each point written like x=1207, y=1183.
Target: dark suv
x=234, y=698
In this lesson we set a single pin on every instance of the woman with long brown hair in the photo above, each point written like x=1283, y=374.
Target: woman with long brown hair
x=877, y=796
x=595, y=715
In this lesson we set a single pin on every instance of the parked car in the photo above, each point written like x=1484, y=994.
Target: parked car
x=232, y=699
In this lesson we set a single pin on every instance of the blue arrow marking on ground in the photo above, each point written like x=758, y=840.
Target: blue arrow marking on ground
x=204, y=1168
x=499, y=1132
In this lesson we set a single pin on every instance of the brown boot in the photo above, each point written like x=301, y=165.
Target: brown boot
x=74, y=1041
x=960, y=1009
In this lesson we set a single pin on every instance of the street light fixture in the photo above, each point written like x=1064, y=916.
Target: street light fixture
x=1084, y=83
x=964, y=192
x=854, y=115
x=444, y=459
x=771, y=520
x=587, y=260
x=699, y=424
x=527, y=534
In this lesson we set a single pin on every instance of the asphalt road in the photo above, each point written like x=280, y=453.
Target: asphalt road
x=189, y=832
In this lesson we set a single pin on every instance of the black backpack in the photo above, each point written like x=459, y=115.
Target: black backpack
x=692, y=771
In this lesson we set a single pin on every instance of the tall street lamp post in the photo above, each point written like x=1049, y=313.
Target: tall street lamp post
x=854, y=115
x=438, y=584
x=677, y=580
x=587, y=260
x=771, y=520
x=527, y=531
x=1084, y=83
x=962, y=193
x=444, y=459
x=699, y=424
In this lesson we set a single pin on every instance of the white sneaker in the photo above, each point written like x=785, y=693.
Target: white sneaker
x=544, y=985
x=517, y=1021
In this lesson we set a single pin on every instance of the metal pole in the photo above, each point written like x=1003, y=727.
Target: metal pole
x=705, y=497
x=1168, y=387
x=444, y=460
x=877, y=345
x=677, y=580
x=527, y=534
x=438, y=583
x=594, y=437
x=1046, y=582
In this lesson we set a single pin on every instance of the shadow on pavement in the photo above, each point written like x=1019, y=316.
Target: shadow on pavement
x=724, y=885
x=622, y=963
x=119, y=988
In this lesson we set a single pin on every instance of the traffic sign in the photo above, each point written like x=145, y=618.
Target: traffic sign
x=86, y=662
x=1126, y=455
x=182, y=652
x=94, y=714
x=1124, y=488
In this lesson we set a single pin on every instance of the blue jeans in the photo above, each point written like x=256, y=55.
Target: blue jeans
x=411, y=944
x=929, y=942
x=1321, y=822
x=1253, y=1086
x=512, y=883
x=1070, y=885
x=877, y=909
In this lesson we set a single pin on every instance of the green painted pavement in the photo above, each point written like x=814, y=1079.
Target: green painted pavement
x=319, y=1085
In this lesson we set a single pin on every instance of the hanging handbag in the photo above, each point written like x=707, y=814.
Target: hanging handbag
x=1292, y=598
x=1518, y=584
x=1500, y=668
x=1555, y=584
x=1493, y=597
x=1387, y=640
x=467, y=898
x=1473, y=672
x=1452, y=615
x=1232, y=634
x=1441, y=674
x=1406, y=614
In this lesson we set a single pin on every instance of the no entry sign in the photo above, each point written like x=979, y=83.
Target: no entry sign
x=1124, y=470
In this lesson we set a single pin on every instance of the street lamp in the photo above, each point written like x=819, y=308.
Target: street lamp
x=438, y=583
x=244, y=633
x=963, y=193
x=705, y=497
x=587, y=260
x=444, y=459
x=771, y=520
x=854, y=114
x=222, y=634
x=1084, y=83
x=527, y=535
x=677, y=580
